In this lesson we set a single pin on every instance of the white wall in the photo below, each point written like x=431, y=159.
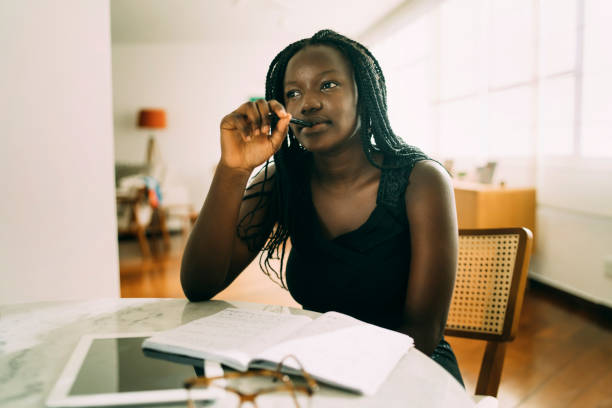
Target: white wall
x=197, y=84
x=574, y=225
x=58, y=235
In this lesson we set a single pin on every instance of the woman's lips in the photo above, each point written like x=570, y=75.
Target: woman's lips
x=316, y=127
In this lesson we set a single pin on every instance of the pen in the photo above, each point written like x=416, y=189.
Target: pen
x=295, y=121
x=301, y=122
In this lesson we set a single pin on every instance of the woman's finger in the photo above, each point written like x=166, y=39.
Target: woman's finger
x=282, y=127
x=253, y=118
x=238, y=123
x=264, y=114
x=277, y=108
x=280, y=132
x=248, y=120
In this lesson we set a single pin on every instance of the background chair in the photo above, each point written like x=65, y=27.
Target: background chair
x=136, y=215
x=488, y=294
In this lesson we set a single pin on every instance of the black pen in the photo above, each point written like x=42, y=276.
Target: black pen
x=301, y=122
x=295, y=121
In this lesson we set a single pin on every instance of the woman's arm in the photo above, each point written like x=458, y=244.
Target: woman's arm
x=214, y=255
x=430, y=207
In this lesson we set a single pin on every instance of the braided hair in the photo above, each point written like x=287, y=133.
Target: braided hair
x=289, y=183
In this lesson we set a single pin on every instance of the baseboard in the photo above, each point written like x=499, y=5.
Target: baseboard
x=569, y=289
x=132, y=237
x=597, y=312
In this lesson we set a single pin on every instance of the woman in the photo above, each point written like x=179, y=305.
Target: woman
x=371, y=220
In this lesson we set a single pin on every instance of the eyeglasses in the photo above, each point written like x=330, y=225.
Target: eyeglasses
x=265, y=383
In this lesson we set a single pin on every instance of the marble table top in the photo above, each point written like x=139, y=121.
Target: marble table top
x=36, y=340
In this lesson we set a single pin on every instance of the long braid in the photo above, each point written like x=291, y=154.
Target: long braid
x=291, y=178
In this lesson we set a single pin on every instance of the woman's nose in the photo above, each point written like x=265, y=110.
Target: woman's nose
x=311, y=103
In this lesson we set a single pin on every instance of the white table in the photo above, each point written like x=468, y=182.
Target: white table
x=36, y=340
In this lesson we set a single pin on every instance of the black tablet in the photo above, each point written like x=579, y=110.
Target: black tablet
x=111, y=369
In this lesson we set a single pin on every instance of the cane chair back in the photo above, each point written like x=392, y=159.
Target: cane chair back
x=488, y=295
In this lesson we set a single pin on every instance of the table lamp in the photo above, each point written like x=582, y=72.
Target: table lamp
x=152, y=119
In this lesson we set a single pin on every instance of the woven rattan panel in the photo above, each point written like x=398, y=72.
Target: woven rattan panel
x=482, y=284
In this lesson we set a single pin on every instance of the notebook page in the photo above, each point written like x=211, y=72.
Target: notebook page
x=344, y=351
x=233, y=333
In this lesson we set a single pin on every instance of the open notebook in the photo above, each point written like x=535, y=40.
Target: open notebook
x=334, y=348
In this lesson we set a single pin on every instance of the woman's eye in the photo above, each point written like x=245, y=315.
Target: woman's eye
x=292, y=93
x=329, y=85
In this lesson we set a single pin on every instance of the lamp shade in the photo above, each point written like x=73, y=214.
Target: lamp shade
x=152, y=118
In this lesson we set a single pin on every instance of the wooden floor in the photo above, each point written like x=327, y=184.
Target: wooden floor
x=562, y=356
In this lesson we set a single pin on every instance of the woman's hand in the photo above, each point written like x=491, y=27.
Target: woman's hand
x=246, y=141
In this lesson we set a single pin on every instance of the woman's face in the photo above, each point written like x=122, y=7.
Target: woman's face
x=320, y=88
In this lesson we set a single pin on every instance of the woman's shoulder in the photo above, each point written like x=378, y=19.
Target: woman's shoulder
x=405, y=159
x=429, y=171
x=413, y=176
x=397, y=169
x=428, y=180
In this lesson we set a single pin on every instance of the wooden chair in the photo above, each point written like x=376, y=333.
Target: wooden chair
x=488, y=295
x=139, y=224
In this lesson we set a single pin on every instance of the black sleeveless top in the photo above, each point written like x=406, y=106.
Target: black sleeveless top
x=363, y=273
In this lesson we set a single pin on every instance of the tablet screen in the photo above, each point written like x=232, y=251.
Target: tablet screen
x=114, y=365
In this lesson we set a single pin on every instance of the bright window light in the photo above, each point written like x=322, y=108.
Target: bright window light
x=459, y=35
x=460, y=129
x=557, y=48
x=491, y=79
x=509, y=131
x=556, y=116
x=415, y=42
x=597, y=34
x=596, y=125
x=410, y=109
x=596, y=137
x=511, y=41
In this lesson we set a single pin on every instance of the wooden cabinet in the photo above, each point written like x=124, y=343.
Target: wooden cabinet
x=492, y=206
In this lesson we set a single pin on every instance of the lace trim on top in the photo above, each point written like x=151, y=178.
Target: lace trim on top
x=395, y=180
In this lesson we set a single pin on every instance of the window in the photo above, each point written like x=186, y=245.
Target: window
x=596, y=135
x=459, y=30
x=509, y=129
x=503, y=78
x=406, y=64
x=556, y=116
x=510, y=39
x=557, y=36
